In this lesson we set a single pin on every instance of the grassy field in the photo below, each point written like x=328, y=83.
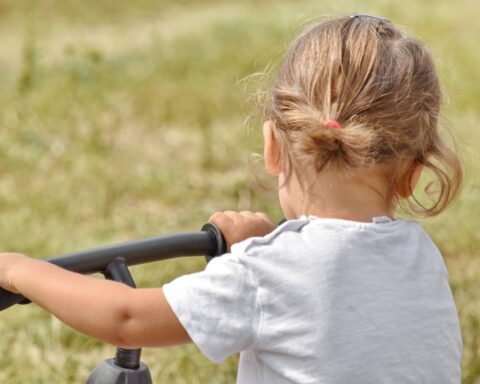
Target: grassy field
x=128, y=119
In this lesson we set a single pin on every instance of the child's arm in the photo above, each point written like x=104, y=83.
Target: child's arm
x=111, y=311
x=106, y=310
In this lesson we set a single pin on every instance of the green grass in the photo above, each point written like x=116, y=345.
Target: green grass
x=122, y=120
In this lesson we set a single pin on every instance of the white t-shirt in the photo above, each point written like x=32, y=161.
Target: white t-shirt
x=327, y=301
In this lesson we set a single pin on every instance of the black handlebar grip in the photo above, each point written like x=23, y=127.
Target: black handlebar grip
x=7, y=299
x=217, y=238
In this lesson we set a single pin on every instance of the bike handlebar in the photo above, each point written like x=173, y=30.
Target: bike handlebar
x=209, y=242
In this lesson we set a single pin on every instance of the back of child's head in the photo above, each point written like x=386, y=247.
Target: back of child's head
x=382, y=89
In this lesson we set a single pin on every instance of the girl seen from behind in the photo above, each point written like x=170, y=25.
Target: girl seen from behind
x=343, y=291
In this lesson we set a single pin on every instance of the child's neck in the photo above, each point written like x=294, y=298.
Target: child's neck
x=346, y=210
x=357, y=198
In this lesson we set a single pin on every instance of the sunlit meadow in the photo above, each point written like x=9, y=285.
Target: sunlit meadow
x=128, y=119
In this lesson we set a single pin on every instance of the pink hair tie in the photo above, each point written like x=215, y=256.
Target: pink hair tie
x=332, y=123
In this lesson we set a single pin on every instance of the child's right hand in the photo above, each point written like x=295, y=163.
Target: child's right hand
x=238, y=226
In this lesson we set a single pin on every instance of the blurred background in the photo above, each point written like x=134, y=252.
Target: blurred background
x=128, y=119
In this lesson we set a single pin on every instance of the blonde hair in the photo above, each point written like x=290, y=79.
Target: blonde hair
x=382, y=88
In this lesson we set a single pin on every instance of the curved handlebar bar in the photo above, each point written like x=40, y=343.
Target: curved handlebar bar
x=209, y=242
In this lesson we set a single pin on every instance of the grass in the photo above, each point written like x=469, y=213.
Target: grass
x=133, y=125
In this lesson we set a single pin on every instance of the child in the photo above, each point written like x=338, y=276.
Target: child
x=342, y=292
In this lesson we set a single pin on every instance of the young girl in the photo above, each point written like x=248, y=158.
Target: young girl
x=342, y=292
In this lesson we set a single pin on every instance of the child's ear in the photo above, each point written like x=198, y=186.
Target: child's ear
x=414, y=173
x=271, y=150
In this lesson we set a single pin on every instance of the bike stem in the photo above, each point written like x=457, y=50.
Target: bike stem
x=126, y=366
x=117, y=270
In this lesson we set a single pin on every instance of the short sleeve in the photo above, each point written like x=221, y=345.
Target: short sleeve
x=217, y=307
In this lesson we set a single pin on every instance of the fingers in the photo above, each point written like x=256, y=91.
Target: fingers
x=237, y=226
x=220, y=218
x=264, y=216
x=229, y=216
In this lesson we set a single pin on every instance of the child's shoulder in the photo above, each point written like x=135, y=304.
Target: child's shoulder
x=331, y=235
x=276, y=236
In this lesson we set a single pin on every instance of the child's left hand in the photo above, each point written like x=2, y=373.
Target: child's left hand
x=238, y=226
